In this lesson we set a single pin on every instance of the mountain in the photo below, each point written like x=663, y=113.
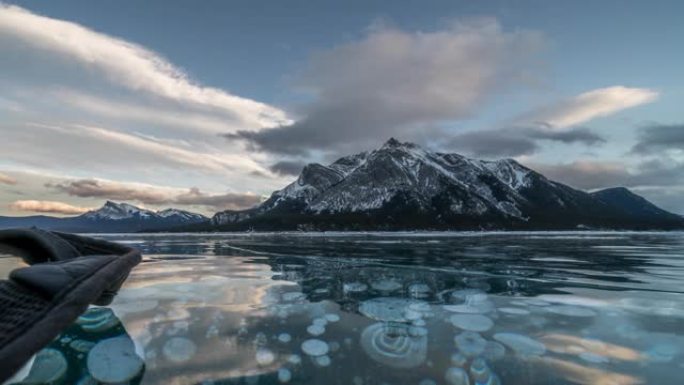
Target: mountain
x=401, y=186
x=112, y=217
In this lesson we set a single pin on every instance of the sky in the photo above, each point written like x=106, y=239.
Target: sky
x=213, y=105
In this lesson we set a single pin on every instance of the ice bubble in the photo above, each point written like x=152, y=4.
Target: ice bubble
x=393, y=345
x=386, y=285
x=593, y=357
x=264, y=357
x=179, y=349
x=419, y=322
x=284, y=338
x=98, y=319
x=294, y=359
x=456, y=376
x=571, y=311
x=481, y=373
x=354, y=287
x=321, y=321
x=521, y=344
x=212, y=331
x=49, y=367
x=323, y=360
x=284, y=375
x=114, y=361
x=458, y=359
x=332, y=317
x=315, y=347
x=419, y=290
x=315, y=330
x=494, y=351
x=357, y=380
x=470, y=344
x=465, y=295
x=472, y=322
x=514, y=310
x=387, y=308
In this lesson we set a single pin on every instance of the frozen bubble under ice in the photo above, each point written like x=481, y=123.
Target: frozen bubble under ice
x=179, y=349
x=284, y=375
x=386, y=285
x=114, y=360
x=521, y=344
x=332, y=317
x=456, y=376
x=323, y=360
x=315, y=330
x=470, y=344
x=472, y=322
x=388, y=309
x=354, y=287
x=284, y=338
x=494, y=351
x=395, y=345
x=264, y=356
x=48, y=367
x=294, y=359
x=315, y=347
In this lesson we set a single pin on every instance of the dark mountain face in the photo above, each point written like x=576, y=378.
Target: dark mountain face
x=112, y=217
x=401, y=186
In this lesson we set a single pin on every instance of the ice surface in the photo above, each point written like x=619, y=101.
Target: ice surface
x=114, y=360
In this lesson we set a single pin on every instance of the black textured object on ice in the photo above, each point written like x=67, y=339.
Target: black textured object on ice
x=66, y=274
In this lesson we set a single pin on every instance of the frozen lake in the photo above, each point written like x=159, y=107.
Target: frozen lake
x=371, y=309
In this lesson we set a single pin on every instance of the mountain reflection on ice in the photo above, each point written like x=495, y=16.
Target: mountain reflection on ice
x=363, y=309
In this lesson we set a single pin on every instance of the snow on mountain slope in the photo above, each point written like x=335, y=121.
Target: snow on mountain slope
x=402, y=182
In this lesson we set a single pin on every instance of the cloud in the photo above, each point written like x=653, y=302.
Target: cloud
x=555, y=122
x=287, y=167
x=122, y=63
x=228, y=201
x=509, y=142
x=154, y=195
x=589, y=105
x=587, y=174
x=6, y=179
x=660, y=137
x=47, y=207
x=397, y=83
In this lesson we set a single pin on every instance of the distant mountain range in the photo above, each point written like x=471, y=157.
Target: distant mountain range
x=112, y=217
x=401, y=186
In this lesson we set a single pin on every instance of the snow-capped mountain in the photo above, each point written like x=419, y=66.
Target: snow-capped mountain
x=111, y=217
x=403, y=186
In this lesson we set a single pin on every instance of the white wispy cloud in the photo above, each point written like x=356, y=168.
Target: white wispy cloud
x=124, y=64
x=589, y=105
x=51, y=207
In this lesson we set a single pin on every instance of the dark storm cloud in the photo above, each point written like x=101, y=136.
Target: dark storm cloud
x=660, y=137
x=287, y=167
x=396, y=83
x=518, y=140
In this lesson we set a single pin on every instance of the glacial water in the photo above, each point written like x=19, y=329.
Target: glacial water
x=372, y=309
